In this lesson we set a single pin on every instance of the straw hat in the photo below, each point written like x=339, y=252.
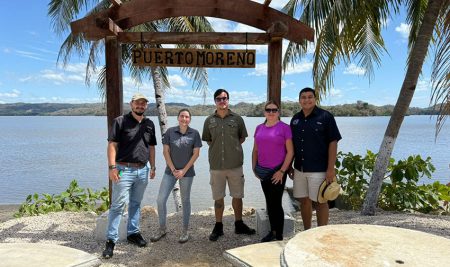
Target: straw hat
x=328, y=191
x=138, y=96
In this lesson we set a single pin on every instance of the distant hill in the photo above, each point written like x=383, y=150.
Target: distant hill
x=245, y=109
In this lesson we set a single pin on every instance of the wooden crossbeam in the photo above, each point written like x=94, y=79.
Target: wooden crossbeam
x=195, y=38
x=267, y=2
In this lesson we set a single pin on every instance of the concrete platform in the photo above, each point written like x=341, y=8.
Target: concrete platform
x=365, y=245
x=261, y=254
x=38, y=254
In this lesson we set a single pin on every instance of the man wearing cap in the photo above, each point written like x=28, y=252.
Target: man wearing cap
x=315, y=136
x=131, y=162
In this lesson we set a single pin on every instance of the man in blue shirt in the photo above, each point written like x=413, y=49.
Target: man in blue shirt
x=315, y=136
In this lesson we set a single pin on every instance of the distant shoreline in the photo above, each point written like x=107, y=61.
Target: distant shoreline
x=358, y=109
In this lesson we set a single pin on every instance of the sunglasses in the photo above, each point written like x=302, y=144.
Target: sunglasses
x=221, y=99
x=271, y=110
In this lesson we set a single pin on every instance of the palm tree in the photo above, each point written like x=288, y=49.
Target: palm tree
x=347, y=30
x=63, y=12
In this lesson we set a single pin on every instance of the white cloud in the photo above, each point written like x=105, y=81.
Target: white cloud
x=221, y=25
x=13, y=94
x=423, y=85
x=277, y=4
x=335, y=93
x=404, y=30
x=352, y=69
x=301, y=67
x=176, y=80
x=260, y=70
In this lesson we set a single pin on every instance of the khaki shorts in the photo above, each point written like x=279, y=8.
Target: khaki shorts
x=235, y=179
x=306, y=184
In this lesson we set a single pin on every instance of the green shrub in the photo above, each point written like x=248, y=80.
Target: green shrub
x=74, y=198
x=400, y=190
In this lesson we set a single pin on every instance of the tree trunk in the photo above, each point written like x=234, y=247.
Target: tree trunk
x=162, y=118
x=417, y=57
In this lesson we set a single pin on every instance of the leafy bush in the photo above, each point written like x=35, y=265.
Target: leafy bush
x=400, y=190
x=73, y=199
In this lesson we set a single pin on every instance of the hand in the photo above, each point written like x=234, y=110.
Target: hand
x=114, y=175
x=330, y=175
x=179, y=173
x=277, y=178
x=152, y=173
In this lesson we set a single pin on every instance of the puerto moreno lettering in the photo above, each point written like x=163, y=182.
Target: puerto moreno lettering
x=194, y=58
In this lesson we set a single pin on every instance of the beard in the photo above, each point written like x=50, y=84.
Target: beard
x=138, y=113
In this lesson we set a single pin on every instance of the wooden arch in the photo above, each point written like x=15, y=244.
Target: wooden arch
x=112, y=23
x=129, y=14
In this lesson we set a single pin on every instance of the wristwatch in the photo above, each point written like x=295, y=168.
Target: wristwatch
x=153, y=168
x=112, y=167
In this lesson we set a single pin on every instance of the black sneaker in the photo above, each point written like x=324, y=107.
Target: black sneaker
x=109, y=249
x=279, y=236
x=137, y=240
x=241, y=228
x=216, y=232
x=269, y=237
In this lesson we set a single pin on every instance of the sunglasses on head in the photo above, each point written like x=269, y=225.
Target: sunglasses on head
x=271, y=110
x=221, y=99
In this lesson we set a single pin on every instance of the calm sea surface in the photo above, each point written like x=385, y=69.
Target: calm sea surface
x=43, y=154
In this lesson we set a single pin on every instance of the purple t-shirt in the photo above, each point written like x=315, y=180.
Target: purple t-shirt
x=271, y=142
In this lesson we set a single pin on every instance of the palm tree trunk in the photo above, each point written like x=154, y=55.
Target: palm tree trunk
x=162, y=118
x=416, y=59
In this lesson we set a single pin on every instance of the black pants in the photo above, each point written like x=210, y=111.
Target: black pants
x=274, y=197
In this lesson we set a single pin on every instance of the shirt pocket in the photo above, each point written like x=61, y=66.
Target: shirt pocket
x=232, y=129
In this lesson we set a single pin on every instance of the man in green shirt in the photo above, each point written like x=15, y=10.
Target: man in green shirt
x=225, y=131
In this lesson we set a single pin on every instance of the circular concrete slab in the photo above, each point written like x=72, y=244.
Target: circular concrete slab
x=38, y=254
x=365, y=245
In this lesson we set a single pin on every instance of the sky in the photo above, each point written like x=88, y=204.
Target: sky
x=29, y=71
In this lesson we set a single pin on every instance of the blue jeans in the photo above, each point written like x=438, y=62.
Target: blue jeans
x=130, y=188
x=167, y=183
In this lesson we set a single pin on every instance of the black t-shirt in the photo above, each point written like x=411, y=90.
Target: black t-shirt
x=311, y=136
x=134, y=139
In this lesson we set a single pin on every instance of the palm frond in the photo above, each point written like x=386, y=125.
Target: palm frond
x=440, y=75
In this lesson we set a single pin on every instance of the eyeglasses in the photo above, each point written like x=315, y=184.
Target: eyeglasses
x=221, y=99
x=271, y=110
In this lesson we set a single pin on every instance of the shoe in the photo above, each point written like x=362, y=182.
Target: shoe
x=241, y=228
x=158, y=235
x=269, y=237
x=278, y=236
x=184, y=237
x=109, y=249
x=137, y=240
x=216, y=232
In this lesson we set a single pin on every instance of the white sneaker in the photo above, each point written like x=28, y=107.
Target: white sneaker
x=184, y=238
x=158, y=235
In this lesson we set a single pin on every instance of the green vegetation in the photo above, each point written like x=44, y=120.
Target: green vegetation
x=73, y=199
x=245, y=109
x=400, y=190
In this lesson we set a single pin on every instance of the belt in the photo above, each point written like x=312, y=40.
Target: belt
x=131, y=164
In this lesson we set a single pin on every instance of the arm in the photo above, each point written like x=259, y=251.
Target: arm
x=254, y=157
x=111, y=153
x=180, y=173
x=278, y=176
x=169, y=162
x=152, y=162
x=332, y=154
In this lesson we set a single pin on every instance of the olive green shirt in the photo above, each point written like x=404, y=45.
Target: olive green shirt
x=225, y=149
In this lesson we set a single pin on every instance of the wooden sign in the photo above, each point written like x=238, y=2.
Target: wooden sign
x=204, y=58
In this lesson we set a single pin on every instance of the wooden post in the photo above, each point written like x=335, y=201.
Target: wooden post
x=114, y=92
x=274, y=70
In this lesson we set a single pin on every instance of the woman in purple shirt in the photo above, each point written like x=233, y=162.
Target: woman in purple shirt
x=271, y=158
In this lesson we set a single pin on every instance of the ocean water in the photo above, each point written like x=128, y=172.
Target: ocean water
x=43, y=154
